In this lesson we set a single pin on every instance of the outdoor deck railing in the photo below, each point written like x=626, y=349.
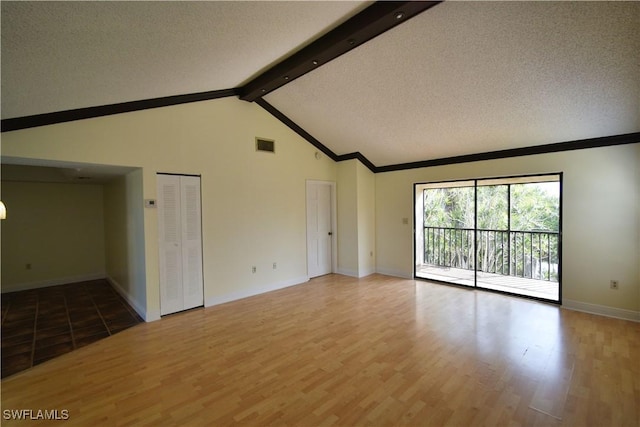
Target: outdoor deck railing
x=528, y=254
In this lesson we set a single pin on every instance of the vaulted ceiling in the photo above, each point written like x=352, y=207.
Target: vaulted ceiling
x=459, y=78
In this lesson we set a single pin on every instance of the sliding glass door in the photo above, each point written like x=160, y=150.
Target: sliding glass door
x=497, y=234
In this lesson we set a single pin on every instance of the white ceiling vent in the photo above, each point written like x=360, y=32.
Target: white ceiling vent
x=266, y=145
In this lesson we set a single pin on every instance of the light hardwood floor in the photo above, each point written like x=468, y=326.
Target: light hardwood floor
x=343, y=351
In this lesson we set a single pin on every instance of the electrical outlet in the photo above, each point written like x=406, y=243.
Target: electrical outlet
x=275, y=265
x=253, y=269
x=613, y=284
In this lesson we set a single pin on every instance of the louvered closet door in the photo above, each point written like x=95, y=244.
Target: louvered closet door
x=179, y=220
x=192, y=284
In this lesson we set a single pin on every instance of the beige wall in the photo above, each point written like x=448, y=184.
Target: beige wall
x=253, y=203
x=57, y=228
x=601, y=218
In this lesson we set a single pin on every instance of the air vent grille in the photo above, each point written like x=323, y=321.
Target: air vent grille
x=266, y=145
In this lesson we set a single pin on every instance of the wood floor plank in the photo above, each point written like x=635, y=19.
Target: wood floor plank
x=342, y=351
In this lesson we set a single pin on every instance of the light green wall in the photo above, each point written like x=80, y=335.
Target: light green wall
x=253, y=203
x=601, y=218
x=115, y=232
x=57, y=228
x=124, y=238
x=356, y=219
x=366, y=220
x=347, y=200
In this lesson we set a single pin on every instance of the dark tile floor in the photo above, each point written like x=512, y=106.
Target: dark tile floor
x=40, y=324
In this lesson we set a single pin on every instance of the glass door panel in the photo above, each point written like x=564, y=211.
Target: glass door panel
x=492, y=234
x=446, y=237
x=501, y=234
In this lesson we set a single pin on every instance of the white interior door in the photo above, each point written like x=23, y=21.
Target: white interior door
x=180, y=235
x=319, y=229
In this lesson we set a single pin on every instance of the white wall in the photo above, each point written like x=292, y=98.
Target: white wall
x=253, y=203
x=57, y=229
x=601, y=219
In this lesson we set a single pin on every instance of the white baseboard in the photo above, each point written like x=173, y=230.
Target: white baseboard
x=245, y=293
x=602, y=310
x=347, y=272
x=53, y=282
x=366, y=273
x=394, y=273
x=124, y=294
x=357, y=275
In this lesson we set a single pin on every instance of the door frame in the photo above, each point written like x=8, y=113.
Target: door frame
x=334, y=222
x=475, y=186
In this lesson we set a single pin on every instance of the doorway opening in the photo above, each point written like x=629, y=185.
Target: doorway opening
x=499, y=234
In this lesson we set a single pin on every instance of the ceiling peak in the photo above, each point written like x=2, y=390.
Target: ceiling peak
x=364, y=26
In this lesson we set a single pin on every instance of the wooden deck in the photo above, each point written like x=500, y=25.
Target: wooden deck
x=516, y=285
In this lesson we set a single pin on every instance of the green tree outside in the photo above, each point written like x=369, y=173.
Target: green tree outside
x=524, y=244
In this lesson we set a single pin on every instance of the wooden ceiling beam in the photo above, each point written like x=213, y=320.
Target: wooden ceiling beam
x=364, y=26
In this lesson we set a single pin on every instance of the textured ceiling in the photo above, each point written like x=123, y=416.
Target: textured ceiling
x=470, y=77
x=64, y=55
x=460, y=78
